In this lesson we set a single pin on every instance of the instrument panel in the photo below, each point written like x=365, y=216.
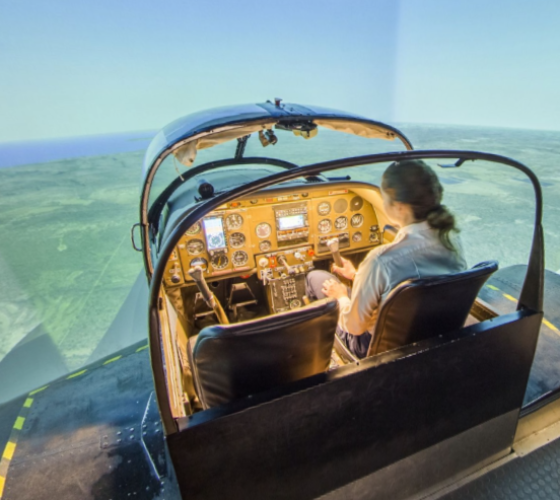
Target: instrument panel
x=293, y=227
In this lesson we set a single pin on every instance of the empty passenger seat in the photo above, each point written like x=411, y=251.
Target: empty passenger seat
x=233, y=361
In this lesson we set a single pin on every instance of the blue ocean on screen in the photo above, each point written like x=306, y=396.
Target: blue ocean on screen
x=13, y=154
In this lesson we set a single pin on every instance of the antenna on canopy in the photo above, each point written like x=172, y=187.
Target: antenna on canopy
x=457, y=164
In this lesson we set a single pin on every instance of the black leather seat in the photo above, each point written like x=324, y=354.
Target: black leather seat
x=232, y=361
x=422, y=308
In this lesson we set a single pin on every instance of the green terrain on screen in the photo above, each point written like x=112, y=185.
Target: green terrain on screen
x=67, y=265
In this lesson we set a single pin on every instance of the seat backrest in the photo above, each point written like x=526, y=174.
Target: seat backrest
x=421, y=308
x=233, y=361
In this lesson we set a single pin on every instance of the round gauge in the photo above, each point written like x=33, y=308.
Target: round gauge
x=295, y=303
x=357, y=220
x=324, y=226
x=341, y=222
x=219, y=261
x=324, y=208
x=357, y=236
x=340, y=205
x=356, y=203
x=194, y=229
x=263, y=230
x=194, y=247
x=237, y=240
x=234, y=221
x=239, y=258
x=265, y=246
x=199, y=261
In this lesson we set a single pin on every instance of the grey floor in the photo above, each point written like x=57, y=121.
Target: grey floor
x=532, y=477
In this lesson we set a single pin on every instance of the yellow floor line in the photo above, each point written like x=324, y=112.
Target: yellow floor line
x=77, y=374
x=513, y=299
x=19, y=423
x=32, y=393
x=551, y=326
x=11, y=445
x=112, y=359
x=142, y=348
x=9, y=450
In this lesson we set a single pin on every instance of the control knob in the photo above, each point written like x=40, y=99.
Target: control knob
x=263, y=262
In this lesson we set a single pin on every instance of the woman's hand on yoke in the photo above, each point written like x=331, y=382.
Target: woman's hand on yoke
x=347, y=271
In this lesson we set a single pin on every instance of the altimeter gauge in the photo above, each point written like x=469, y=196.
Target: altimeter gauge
x=234, y=221
x=194, y=247
x=237, y=240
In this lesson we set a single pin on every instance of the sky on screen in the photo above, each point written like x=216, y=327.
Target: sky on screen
x=76, y=68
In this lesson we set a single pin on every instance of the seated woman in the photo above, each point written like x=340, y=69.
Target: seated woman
x=426, y=245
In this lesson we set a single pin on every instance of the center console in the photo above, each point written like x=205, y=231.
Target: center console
x=283, y=275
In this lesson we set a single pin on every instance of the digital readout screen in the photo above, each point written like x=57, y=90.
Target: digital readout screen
x=214, y=231
x=291, y=222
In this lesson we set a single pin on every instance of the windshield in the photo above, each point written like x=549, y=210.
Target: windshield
x=291, y=149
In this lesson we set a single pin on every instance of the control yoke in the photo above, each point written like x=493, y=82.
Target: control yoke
x=333, y=247
x=196, y=274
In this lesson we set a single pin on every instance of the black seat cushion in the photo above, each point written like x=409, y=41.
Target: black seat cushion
x=421, y=308
x=233, y=361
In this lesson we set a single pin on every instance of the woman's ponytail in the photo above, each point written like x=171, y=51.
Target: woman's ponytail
x=443, y=220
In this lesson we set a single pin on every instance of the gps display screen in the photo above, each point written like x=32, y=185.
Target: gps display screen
x=214, y=231
x=291, y=222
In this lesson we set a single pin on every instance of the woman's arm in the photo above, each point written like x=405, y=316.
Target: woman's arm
x=358, y=314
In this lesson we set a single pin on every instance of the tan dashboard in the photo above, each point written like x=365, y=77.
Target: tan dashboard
x=283, y=228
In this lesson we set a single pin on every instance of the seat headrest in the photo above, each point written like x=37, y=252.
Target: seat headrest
x=483, y=269
x=421, y=308
x=283, y=320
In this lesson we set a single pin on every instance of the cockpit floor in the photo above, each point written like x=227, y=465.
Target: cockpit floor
x=532, y=477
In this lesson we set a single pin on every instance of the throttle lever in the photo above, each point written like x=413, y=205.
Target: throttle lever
x=282, y=259
x=333, y=247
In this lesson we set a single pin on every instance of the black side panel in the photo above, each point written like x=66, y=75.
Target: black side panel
x=310, y=442
x=501, y=292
